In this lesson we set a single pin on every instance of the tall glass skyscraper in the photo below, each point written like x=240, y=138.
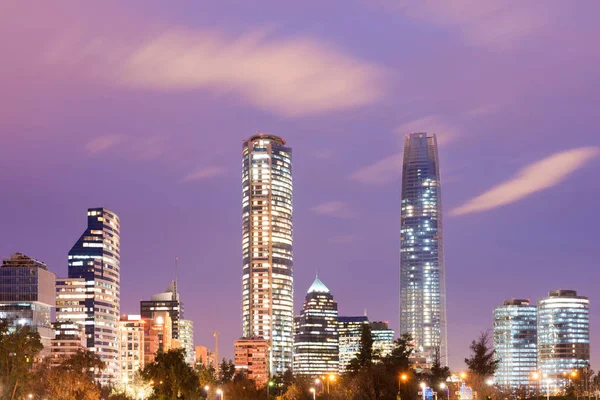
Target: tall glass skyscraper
x=422, y=271
x=515, y=345
x=267, y=258
x=316, y=348
x=563, y=336
x=95, y=260
x=349, y=333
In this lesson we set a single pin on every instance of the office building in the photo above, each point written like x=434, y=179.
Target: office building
x=186, y=340
x=267, y=258
x=316, y=346
x=251, y=357
x=158, y=335
x=515, y=345
x=349, y=332
x=69, y=338
x=563, y=336
x=205, y=357
x=131, y=347
x=383, y=338
x=166, y=301
x=95, y=261
x=27, y=296
x=422, y=271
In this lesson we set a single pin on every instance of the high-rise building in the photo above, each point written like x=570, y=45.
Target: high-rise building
x=166, y=301
x=27, y=296
x=252, y=359
x=422, y=271
x=349, y=332
x=158, y=335
x=69, y=338
x=95, y=258
x=383, y=338
x=316, y=346
x=267, y=258
x=515, y=345
x=186, y=340
x=131, y=347
x=563, y=336
x=71, y=317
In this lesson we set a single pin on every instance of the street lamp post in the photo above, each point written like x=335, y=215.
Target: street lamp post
x=330, y=378
x=423, y=386
x=317, y=382
x=446, y=389
x=206, y=389
x=269, y=384
x=401, y=378
x=314, y=393
x=220, y=393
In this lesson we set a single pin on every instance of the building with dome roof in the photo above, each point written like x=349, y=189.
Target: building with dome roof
x=316, y=348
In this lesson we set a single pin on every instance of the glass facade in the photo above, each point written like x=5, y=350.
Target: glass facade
x=383, y=338
x=167, y=301
x=267, y=258
x=186, y=339
x=316, y=347
x=563, y=337
x=27, y=295
x=515, y=345
x=349, y=331
x=422, y=271
x=91, y=295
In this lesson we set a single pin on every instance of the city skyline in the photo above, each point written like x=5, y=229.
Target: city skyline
x=109, y=115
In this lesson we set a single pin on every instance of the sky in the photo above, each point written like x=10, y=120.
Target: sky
x=142, y=106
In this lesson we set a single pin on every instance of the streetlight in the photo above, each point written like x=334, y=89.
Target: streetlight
x=423, y=386
x=446, y=389
x=206, y=389
x=547, y=386
x=331, y=378
x=269, y=384
x=220, y=393
x=401, y=378
x=317, y=382
x=489, y=382
x=536, y=377
x=30, y=396
x=314, y=393
x=463, y=375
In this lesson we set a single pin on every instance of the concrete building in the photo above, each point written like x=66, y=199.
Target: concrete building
x=267, y=246
x=205, y=357
x=252, y=359
x=27, y=296
x=69, y=338
x=131, y=347
x=157, y=335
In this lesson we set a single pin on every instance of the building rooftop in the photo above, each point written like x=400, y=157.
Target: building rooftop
x=318, y=287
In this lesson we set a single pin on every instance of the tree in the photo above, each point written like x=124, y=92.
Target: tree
x=439, y=374
x=482, y=360
x=172, y=377
x=365, y=356
x=227, y=371
x=293, y=392
x=19, y=346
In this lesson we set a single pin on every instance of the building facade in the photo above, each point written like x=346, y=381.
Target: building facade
x=515, y=345
x=69, y=338
x=95, y=260
x=186, y=340
x=316, y=345
x=563, y=336
x=251, y=357
x=131, y=347
x=349, y=331
x=383, y=338
x=166, y=301
x=158, y=335
x=205, y=357
x=422, y=270
x=267, y=257
x=27, y=296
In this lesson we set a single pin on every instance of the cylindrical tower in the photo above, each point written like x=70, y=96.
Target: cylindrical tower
x=268, y=290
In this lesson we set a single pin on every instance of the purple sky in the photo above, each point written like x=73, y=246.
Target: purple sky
x=142, y=106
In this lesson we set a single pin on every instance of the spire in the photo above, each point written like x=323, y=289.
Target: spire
x=318, y=287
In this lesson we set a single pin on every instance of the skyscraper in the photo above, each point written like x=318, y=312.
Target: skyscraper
x=316, y=347
x=27, y=295
x=95, y=261
x=166, y=301
x=515, y=345
x=563, y=336
x=422, y=271
x=383, y=338
x=349, y=332
x=267, y=258
x=186, y=340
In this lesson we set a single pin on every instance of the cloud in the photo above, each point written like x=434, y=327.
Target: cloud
x=336, y=209
x=292, y=77
x=383, y=171
x=533, y=178
x=204, y=173
x=444, y=131
x=102, y=144
x=343, y=239
x=498, y=25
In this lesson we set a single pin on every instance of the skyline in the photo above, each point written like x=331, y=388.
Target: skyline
x=508, y=101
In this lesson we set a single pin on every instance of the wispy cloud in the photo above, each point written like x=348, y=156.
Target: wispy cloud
x=336, y=209
x=203, y=173
x=103, y=143
x=533, y=178
x=383, y=171
x=445, y=131
x=344, y=239
x=292, y=77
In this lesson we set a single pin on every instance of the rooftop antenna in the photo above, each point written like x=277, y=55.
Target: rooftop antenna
x=216, y=335
x=365, y=312
x=176, y=278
